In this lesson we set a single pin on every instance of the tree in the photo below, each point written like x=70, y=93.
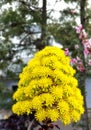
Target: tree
x=24, y=21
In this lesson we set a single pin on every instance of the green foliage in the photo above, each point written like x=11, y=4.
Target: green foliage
x=5, y=97
x=14, y=21
x=11, y=22
x=62, y=34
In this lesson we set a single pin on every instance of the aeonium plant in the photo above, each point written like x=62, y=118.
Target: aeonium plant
x=48, y=87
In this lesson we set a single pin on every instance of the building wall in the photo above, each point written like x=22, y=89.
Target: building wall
x=88, y=91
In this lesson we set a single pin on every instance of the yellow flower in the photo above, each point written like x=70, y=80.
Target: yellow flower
x=44, y=82
x=40, y=71
x=65, y=118
x=19, y=94
x=41, y=115
x=57, y=92
x=53, y=114
x=36, y=103
x=22, y=107
x=47, y=99
x=75, y=115
x=47, y=86
x=63, y=107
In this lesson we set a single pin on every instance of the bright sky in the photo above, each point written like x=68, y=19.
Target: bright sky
x=57, y=6
x=50, y=5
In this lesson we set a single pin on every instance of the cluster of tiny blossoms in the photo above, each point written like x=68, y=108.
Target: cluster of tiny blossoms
x=47, y=86
x=87, y=49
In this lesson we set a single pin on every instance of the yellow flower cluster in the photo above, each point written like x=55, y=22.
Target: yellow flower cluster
x=47, y=86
